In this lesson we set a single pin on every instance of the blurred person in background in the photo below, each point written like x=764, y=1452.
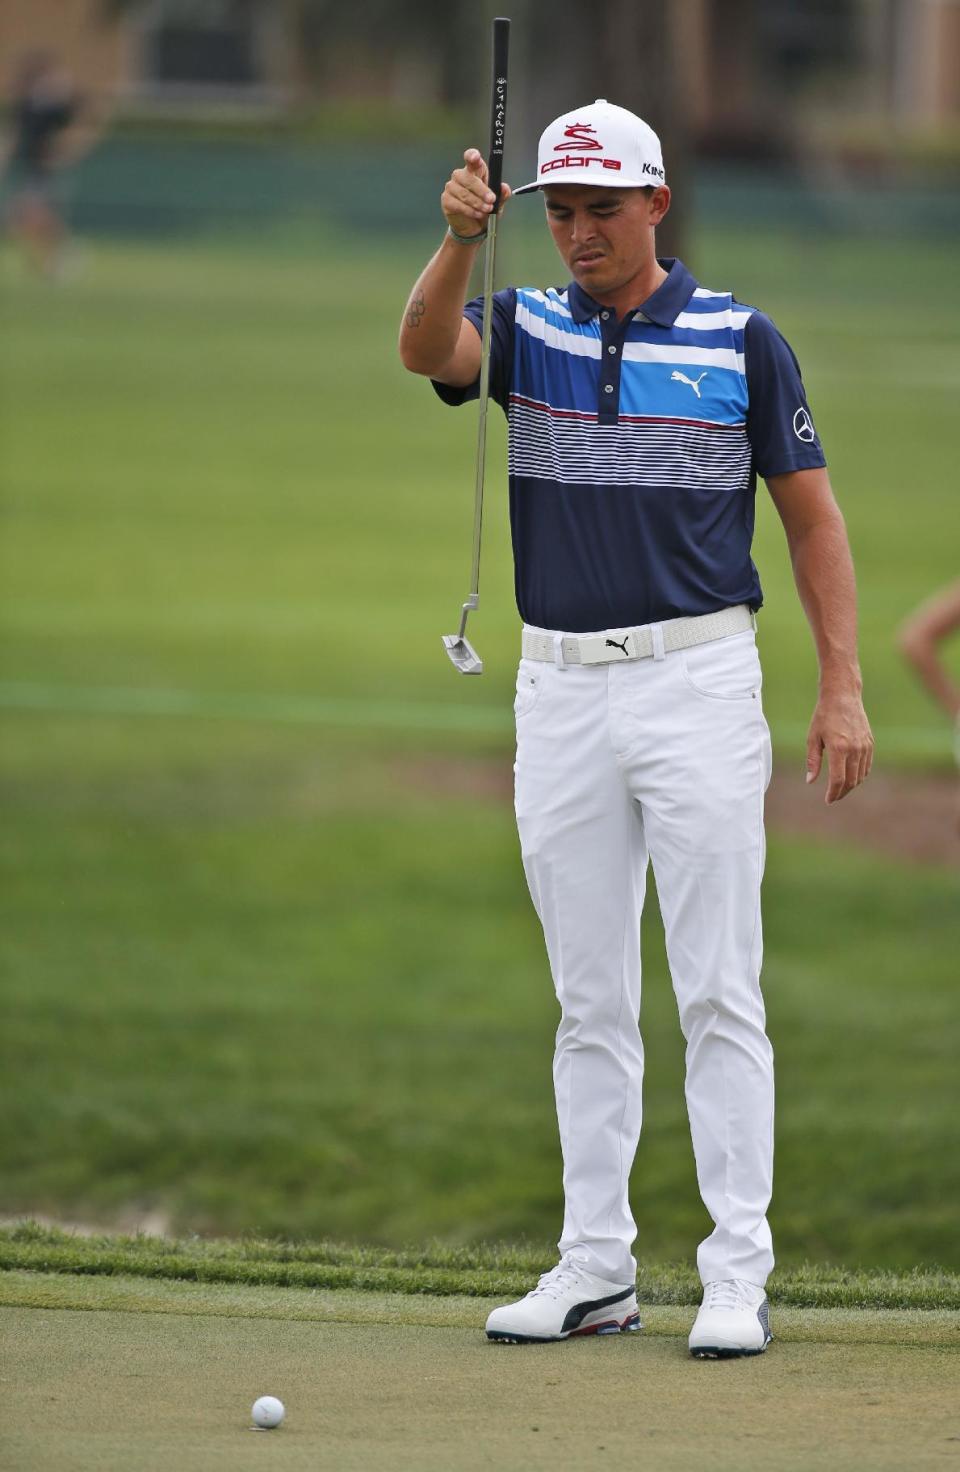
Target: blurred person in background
x=919, y=638
x=50, y=127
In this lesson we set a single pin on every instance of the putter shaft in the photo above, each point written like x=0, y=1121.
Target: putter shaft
x=458, y=647
x=485, y=340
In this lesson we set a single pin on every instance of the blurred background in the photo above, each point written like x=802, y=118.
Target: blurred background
x=269, y=964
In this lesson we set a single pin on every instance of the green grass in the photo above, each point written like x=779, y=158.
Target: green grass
x=280, y=977
x=214, y=466
x=434, y=1268
x=125, y=1372
x=254, y=996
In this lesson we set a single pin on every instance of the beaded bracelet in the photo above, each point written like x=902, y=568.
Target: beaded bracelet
x=466, y=239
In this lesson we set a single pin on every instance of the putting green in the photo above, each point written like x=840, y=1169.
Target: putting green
x=104, y=1373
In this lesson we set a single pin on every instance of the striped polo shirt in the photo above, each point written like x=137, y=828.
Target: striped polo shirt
x=634, y=447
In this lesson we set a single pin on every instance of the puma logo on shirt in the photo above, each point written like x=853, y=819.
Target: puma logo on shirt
x=682, y=378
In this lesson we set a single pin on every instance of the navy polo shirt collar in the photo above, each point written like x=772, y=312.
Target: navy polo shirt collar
x=662, y=308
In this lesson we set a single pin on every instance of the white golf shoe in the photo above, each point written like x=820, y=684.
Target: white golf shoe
x=734, y=1319
x=567, y=1301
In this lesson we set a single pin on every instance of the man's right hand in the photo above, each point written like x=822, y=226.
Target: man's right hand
x=467, y=200
x=436, y=339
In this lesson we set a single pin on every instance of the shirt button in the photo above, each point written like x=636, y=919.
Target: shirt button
x=608, y=388
x=604, y=316
x=611, y=349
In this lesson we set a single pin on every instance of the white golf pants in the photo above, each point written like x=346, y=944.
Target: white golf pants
x=663, y=760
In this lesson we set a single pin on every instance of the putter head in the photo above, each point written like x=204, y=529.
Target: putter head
x=462, y=654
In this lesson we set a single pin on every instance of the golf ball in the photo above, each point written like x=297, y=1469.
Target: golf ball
x=268, y=1412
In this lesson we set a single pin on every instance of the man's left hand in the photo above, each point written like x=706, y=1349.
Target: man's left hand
x=840, y=727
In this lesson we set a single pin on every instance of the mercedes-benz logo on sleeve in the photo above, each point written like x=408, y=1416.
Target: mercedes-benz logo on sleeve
x=803, y=426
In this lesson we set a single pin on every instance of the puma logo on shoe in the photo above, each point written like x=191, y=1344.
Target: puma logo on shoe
x=615, y=645
x=682, y=378
x=579, y=1312
x=567, y=1301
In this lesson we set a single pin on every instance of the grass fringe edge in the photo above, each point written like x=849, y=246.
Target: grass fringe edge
x=498, y=1269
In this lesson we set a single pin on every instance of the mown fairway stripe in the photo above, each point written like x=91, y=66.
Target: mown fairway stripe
x=285, y=709
x=117, y=700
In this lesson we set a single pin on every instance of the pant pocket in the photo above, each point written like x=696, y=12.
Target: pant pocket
x=724, y=669
x=529, y=688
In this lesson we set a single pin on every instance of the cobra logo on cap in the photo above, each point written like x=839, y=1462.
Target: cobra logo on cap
x=575, y=133
x=580, y=141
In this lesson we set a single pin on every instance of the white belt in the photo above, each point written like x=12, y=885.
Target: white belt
x=648, y=642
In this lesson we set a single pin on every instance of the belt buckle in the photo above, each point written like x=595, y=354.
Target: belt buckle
x=625, y=648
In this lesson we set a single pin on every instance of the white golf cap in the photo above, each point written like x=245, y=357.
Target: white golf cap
x=601, y=144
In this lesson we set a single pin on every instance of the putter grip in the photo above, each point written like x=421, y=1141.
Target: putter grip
x=498, y=102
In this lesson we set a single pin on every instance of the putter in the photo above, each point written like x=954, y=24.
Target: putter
x=462, y=653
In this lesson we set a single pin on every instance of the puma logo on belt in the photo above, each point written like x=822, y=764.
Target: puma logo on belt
x=682, y=378
x=622, y=646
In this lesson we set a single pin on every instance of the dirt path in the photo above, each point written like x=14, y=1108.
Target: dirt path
x=903, y=814
x=161, y=1375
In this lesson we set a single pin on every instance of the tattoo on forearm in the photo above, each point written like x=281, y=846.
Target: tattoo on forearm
x=415, y=310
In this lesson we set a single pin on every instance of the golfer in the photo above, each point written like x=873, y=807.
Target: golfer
x=641, y=409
